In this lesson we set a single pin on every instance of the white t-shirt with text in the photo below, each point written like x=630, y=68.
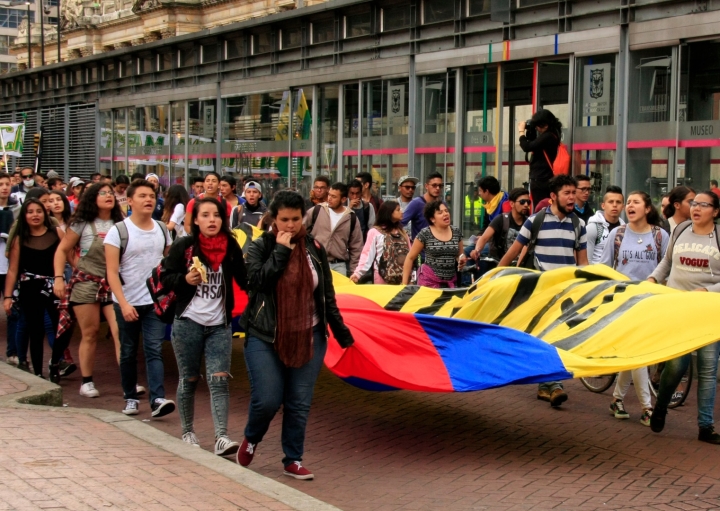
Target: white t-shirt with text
x=144, y=252
x=208, y=306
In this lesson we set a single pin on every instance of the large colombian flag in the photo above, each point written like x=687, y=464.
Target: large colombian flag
x=513, y=326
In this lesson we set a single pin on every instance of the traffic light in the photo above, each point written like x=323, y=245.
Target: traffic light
x=36, y=142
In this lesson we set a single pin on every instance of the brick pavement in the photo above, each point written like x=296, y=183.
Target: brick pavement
x=494, y=450
x=53, y=458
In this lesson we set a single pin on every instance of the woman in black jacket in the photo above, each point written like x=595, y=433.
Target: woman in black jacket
x=204, y=312
x=292, y=303
x=546, y=142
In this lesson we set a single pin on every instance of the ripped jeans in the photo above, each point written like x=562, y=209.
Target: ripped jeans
x=190, y=341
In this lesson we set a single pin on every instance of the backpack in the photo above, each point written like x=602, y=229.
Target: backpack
x=316, y=212
x=678, y=231
x=529, y=260
x=620, y=234
x=164, y=302
x=395, y=250
x=561, y=165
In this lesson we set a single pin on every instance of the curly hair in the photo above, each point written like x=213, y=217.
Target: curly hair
x=87, y=209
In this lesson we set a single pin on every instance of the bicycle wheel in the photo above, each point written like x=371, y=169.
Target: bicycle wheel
x=683, y=389
x=599, y=384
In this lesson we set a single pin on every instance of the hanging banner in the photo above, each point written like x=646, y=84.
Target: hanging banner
x=12, y=138
x=597, y=90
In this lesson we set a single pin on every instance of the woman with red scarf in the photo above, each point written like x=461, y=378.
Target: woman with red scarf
x=292, y=303
x=204, y=304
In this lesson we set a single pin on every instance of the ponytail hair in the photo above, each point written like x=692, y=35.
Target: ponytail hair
x=652, y=217
x=677, y=194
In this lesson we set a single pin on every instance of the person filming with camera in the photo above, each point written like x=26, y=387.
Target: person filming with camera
x=541, y=136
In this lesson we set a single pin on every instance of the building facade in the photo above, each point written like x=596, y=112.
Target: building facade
x=395, y=88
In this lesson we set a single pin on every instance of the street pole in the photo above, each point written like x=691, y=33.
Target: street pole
x=42, y=33
x=58, y=30
x=29, y=47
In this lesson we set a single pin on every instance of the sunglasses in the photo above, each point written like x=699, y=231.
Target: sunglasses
x=436, y=185
x=584, y=189
x=408, y=187
x=524, y=202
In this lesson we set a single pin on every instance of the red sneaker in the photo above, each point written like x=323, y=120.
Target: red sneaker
x=296, y=470
x=245, y=453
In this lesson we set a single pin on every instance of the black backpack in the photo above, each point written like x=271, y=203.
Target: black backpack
x=164, y=300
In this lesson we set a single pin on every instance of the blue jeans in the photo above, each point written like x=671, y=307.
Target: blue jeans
x=153, y=332
x=273, y=384
x=190, y=341
x=707, y=366
x=22, y=334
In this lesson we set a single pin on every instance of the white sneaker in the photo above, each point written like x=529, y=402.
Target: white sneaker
x=191, y=439
x=139, y=390
x=224, y=446
x=13, y=360
x=88, y=390
x=131, y=407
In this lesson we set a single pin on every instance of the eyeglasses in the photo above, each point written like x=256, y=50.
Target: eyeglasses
x=436, y=185
x=103, y=193
x=524, y=202
x=585, y=190
x=408, y=187
x=704, y=205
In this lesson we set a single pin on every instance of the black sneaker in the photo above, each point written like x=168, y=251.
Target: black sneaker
x=162, y=407
x=55, y=373
x=708, y=435
x=24, y=366
x=67, y=368
x=657, y=421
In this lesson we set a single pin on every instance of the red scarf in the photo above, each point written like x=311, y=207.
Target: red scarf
x=295, y=307
x=214, y=249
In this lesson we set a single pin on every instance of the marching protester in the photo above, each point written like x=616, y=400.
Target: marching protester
x=59, y=208
x=336, y=228
x=386, y=248
x=406, y=191
x=212, y=191
x=677, y=209
x=9, y=210
x=253, y=208
x=443, y=247
x=691, y=263
x=176, y=199
x=598, y=227
x=413, y=213
x=319, y=192
x=203, y=317
x=32, y=252
x=120, y=186
x=635, y=250
x=154, y=180
x=27, y=182
x=504, y=229
x=367, y=191
x=133, y=248
x=75, y=189
x=198, y=187
x=292, y=303
x=583, y=209
x=87, y=292
x=363, y=210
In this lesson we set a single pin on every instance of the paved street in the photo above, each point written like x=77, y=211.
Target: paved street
x=496, y=450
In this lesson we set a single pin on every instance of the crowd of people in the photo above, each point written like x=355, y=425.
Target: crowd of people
x=76, y=253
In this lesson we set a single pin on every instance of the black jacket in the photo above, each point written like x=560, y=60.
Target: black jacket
x=539, y=168
x=174, y=269
x=266, y=261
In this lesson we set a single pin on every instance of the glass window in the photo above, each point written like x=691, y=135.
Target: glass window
x=165, y=61
x=178, y=142
x=351, y=125
x=476, y=7
x=106, y=141
x=119, y=142
x=290, y=38
x=358, y=24
x=234, y=48
x=5, y=43
x=11, y=18
x=323, y=31
x=437, y=10
x=148, y=139
x=262, y=43
x=109, y=71
x=530, y=3
x=328, y=130
x=300, y=166
x=187, y=56
x=146, y=64
x=77, y=77
x=202, y=131
x=209, y=53
x=395, y=17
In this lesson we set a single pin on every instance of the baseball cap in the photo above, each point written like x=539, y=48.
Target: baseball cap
x=408, y=178
x=75, y=181
x=253, y=184
x=52, y=174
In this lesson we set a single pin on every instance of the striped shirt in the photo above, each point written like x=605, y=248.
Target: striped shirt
x=556, y=244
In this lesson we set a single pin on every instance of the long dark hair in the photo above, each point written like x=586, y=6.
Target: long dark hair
x=713, y=198
x=195, y=229
x=677, y=194
x=66, y=212
x=384, y=216
x=547, y=118
x=176, y=194
x=87, y=209
x=653, y=217
x=23, y=229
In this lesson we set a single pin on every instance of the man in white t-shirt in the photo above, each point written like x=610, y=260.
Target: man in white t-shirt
x=146, y=242
x=335, y=226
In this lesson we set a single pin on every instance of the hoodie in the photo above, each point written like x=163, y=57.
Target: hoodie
x=598, y=229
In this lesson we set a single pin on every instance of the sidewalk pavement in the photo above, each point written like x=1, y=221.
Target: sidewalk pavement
x=61, y=458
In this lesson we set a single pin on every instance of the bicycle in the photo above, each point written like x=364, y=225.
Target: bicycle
x=599, y=384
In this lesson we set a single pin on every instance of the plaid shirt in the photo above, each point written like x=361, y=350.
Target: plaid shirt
x=103, y=295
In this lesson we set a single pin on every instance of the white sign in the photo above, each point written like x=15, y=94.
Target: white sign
x=396, y=104
x=209, y=121
x=597, y=90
